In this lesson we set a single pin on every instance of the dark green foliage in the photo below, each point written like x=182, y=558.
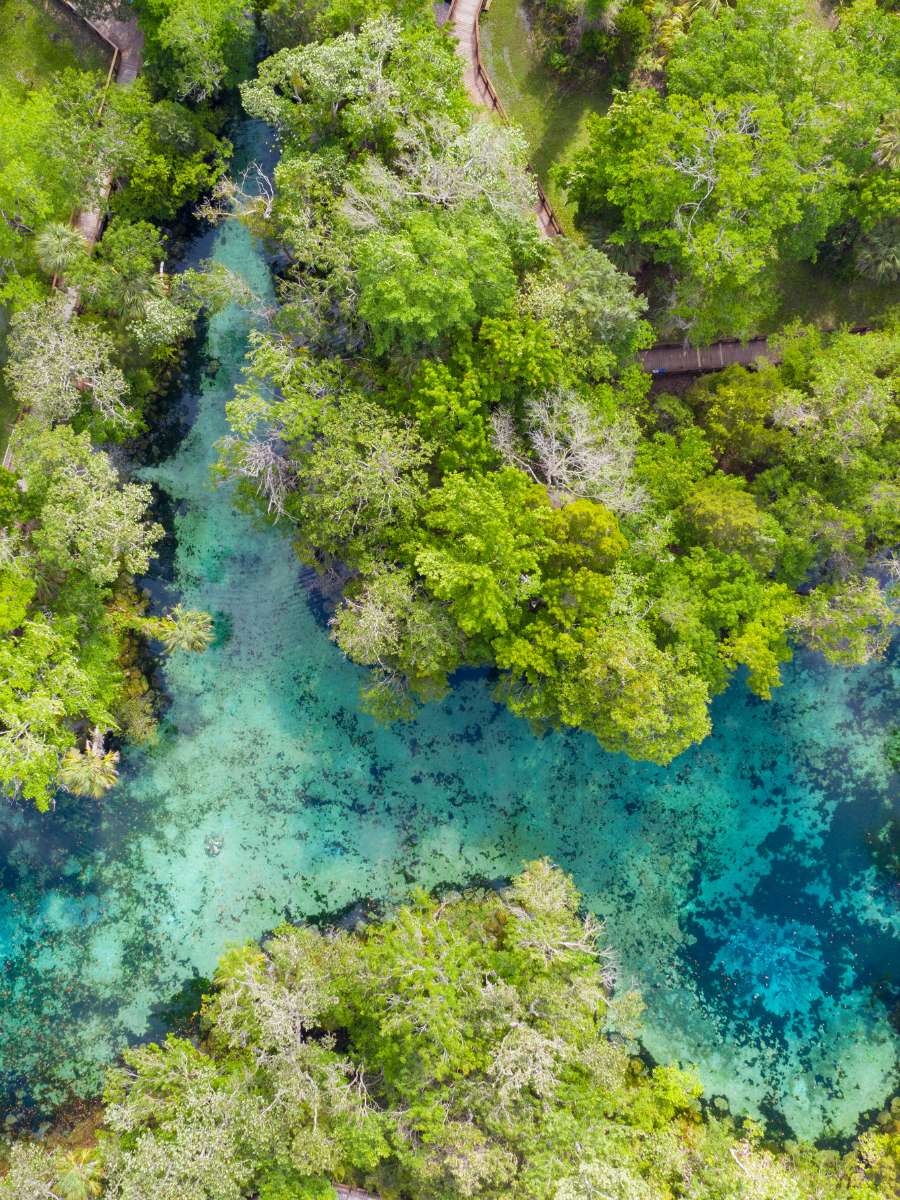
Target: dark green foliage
x=772, y=140
x=198, y=48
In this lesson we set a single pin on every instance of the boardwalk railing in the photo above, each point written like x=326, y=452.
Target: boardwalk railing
x=496, y=104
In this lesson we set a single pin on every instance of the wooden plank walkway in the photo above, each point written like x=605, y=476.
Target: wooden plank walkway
x=683, y=360
x=463, y=17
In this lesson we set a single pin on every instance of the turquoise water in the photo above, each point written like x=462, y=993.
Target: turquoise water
x=738, y=884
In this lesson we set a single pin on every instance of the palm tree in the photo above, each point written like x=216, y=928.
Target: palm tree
x=887, y=142
x=128, y=294
x=185, y=629
x=878, y=252
x=91, y=771
x=79, y=1175
x=58, y=247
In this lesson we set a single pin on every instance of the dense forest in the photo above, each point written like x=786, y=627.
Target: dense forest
x=447, y=408
x=472, y=1046
x=448, y=413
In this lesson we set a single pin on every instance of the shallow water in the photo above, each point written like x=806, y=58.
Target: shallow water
x=738, y=884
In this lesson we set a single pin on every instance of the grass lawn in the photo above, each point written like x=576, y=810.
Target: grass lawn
x=37, y=40
x=551, y=112
x=809, y=292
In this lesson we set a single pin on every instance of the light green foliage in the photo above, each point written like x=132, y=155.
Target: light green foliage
x=411, y=640
x=483, y=556
x=91, y=771
x=431, y=280
x=591, y=307
x=50, y=679
x=359, y=482
x=61, y=364
x=720, y=512
x=360, y=87
x=181, y=629
x=449, y=407
x=632, y=696
x=848, y=622
x=58, y=247
x=457, y=1048
x=123, y=275
x=91, y=525
x=84, y=360
x=46, y=156
x=715, y=186
x=451, y=410
x=73, y=535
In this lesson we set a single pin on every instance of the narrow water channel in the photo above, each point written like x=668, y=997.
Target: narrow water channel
x=739, y=884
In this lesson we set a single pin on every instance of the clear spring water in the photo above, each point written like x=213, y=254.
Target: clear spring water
x=738, y=884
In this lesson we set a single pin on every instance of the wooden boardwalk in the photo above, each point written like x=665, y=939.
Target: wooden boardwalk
x=684, y=360
x=463, y=17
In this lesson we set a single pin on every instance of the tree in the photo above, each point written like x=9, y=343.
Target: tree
x=59, y=247
x=50, y=679
x=582, y=453
x=206, y=44
x=451, y=408
x=878, y=252
x=717, y=186
x=360, y=88
x=850, y=623
x=163, y=152
x=59, y=364
x=591, y=306
x=48, y=153
x=611, y=679
x=463, y=1046
x=187, y=629
x=92, y=527
x=80, y=1174
x=483, y=555
x=391, y=625
x=887, y=142
x=91, y=771
x=359, y=484
x=124, y=274
x=432, y=279
x=721, y=512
